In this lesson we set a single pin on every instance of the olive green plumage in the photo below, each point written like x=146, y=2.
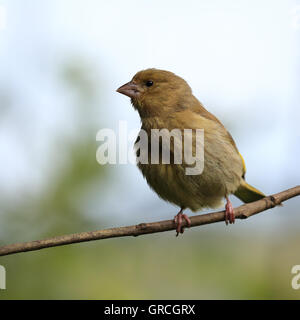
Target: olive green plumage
x=165, y=100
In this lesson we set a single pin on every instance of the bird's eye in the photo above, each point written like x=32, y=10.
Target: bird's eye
x=149, y=83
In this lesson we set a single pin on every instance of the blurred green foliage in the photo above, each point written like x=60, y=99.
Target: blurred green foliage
x=56, y=208
x=156, y=267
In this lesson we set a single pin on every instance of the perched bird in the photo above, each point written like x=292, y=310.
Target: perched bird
x=165, y=101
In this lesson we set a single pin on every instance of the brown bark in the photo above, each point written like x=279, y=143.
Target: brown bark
x=241, y=212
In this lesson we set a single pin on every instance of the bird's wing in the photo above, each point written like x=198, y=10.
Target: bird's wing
x=199, y=109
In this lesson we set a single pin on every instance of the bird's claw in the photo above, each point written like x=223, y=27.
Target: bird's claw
x=229, y=214
x=178, y=221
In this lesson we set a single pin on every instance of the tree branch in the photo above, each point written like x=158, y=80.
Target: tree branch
x=241, y=212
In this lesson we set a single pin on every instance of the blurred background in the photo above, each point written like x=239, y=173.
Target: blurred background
x=60, y=64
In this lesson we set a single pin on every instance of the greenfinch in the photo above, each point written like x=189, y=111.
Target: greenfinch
x=165, y=101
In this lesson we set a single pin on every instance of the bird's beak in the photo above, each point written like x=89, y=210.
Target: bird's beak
x=130, y=89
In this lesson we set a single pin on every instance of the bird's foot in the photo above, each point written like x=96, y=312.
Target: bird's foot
x=178, y=221
x=229, y=214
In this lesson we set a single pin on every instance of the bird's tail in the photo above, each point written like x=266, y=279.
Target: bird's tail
x=247, y=193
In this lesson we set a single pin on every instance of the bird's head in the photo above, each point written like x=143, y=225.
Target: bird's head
x=156, y=92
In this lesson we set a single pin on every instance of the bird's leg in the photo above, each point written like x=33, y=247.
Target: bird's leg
x=178, y=221
x=229, y=214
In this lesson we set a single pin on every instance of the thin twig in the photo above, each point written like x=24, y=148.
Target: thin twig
x=241, y=212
